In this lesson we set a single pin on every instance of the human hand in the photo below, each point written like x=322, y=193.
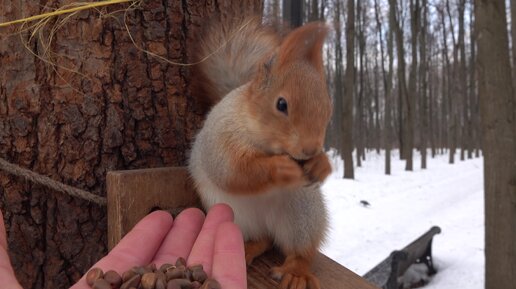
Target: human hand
x=214, y=241
x=7, y=278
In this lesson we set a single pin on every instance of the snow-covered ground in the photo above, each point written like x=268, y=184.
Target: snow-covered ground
x=402, y=207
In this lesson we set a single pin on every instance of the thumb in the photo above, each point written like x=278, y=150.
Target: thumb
x=8, y=280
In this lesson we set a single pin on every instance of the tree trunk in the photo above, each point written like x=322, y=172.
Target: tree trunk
x=432, y=111
x=105, y=106
x=453, y=91
x=472, y=92
x=322, y=10
x=361, y=106
x=314, y=10
x=402, y=83
x=448, y=115
x=424, y=85
x=377, y=136
x=498, y=114
x=387, y=84
x=349, y=83
x=513, y=37
x=273, y=10
x=462, y=82
x=443, y=120
x=338, y=78
x=413, y=91
x=293, y=12
x=475, y=122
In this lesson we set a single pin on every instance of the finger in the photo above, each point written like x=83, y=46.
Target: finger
x=202, y=251
x=3, y=234
x=229, y=266
x=6, y=270
x=138, y=247
x=180, y=239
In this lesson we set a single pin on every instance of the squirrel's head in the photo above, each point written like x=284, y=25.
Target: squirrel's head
x=290, y=107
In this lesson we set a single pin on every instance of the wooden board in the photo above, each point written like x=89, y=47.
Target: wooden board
x=331, y=274
x=133, y=194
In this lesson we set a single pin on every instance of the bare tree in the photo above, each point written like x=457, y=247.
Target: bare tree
x=462, y=82
x=475, y=113
x=338, y=78
x=313, y=13
x=498, y=114
x=349, y=84
x=447, y=115
x=432, y=91
x=387, y=84
x=293, y=12
x=360, y=96
x=513, y=37
x=402, y=83
x=375, y=117
x=423, y=72
x=272, y=9
x=409, y=104
x=454, y=90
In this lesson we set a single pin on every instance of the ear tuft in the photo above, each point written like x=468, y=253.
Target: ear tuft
x=304, y=43
x=264, y=73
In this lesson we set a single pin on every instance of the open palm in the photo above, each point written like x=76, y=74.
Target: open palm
x=213, y=241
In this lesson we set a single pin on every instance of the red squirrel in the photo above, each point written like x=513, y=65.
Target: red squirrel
x=260, y=149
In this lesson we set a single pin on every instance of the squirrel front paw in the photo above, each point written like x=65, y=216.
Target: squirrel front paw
x=295, y=274
x=286, y=172
x=317, y=168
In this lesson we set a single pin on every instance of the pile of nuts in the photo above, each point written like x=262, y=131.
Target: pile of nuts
x=168, y=276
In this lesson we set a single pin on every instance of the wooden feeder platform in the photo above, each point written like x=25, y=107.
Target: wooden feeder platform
x=132, y=194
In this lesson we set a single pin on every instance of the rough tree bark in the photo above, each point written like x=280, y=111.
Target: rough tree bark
x=498, y=120
x=122, y=110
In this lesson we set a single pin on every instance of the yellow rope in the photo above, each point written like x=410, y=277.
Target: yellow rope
x=44, y=19
x=65, y=11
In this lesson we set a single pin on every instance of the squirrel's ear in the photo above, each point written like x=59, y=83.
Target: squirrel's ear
x=264, y=72
x=304, y=43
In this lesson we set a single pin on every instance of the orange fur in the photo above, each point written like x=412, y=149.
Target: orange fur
x=262, y=149
x=295, y=73
x=254, y=249
x=318, y=168
x=296, y=273
x=222, y=41
x=267, y=172
x=305, y=43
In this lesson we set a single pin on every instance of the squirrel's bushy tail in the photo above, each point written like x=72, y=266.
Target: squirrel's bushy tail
x=233, y=52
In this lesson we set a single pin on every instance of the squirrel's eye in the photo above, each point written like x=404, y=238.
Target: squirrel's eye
x=281, y=105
